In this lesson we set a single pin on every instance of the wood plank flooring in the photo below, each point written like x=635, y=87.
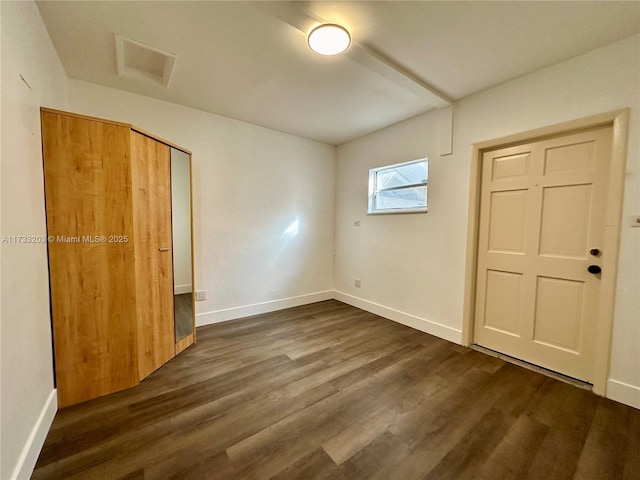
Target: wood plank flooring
x=328, y=391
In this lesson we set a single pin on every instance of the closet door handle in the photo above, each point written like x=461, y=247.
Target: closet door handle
x=164, y=249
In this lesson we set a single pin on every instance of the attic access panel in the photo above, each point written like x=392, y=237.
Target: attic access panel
x=140, y=60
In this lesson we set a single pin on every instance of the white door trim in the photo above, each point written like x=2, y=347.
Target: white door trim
x=619, y=119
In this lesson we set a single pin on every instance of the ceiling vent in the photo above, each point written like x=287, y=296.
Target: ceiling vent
x=139, y=60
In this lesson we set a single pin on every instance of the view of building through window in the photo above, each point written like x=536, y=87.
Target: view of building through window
x=399, y=188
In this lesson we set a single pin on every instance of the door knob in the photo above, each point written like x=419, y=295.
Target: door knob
x=595, y=252
x=595, y=269
x=164, y=249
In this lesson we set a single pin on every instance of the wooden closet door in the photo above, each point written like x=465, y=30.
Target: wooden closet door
x=88, y=198
x=151, y=178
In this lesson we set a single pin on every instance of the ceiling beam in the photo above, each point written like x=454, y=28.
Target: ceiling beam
x=304, y=20
x=384, y=67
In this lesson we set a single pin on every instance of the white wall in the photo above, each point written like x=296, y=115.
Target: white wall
x=181, y=221
x=412, y=267
x=28, y=400
x=251, y=187
x=404, y=262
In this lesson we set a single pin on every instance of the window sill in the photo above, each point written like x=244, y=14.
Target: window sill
x=399, y=212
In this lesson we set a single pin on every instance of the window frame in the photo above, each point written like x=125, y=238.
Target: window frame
x=373, y=190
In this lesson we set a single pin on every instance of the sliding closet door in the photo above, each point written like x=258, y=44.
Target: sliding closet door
x=88, y=198
x=151, y=175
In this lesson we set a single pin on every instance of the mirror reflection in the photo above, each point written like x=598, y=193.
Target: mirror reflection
x=181, y=221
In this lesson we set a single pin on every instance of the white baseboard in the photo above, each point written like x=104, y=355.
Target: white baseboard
x=623, y=393
x=31, y=450
x=180, y=289
x=422, y=324
x=216, y=316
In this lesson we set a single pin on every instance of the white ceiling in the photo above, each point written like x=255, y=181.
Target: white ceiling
x=250, y=60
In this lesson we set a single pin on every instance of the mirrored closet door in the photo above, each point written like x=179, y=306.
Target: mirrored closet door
x=182, y=249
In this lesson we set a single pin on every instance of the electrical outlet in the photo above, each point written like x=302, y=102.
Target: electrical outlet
x=357, y=282
x=201, y=295
x=356, y=223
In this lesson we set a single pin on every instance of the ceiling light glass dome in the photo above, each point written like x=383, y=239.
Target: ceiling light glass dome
x=329, y=39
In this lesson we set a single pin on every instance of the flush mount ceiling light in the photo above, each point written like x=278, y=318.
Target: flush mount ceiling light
x=329, y=39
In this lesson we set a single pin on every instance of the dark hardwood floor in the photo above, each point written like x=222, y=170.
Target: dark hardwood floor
x=327, y=391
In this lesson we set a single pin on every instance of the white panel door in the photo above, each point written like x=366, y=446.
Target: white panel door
x=541, y=214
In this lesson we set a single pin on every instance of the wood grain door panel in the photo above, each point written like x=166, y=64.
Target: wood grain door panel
x=88, y=200
x=153, y=247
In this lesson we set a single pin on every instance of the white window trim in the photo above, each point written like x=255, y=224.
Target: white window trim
x=393, y=211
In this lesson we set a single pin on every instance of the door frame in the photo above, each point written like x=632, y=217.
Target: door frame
x=619, y=120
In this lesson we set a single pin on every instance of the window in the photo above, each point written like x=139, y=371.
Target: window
x=399, y=188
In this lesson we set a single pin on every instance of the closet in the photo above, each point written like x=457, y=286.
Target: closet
x=117, y=201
